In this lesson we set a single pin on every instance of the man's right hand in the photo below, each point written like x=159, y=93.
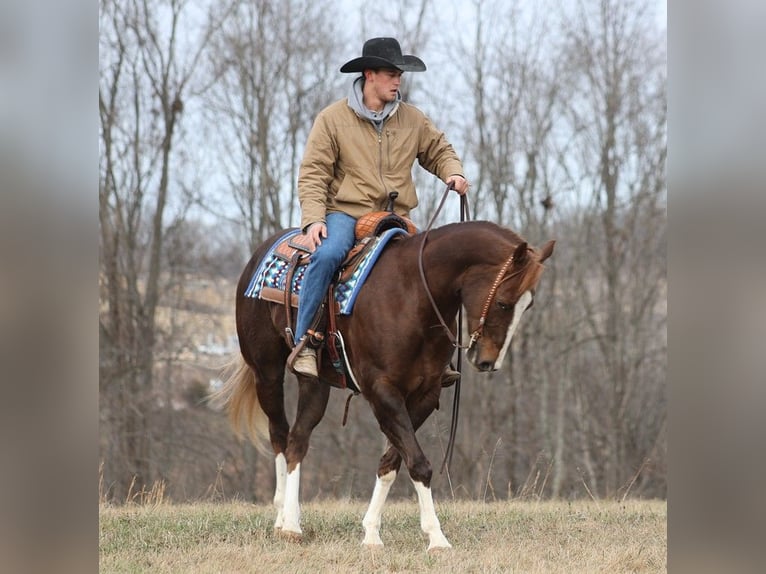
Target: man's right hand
x=315, y=233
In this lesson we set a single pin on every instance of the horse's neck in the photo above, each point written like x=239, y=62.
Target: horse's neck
x=446, y=259
x=458, y=247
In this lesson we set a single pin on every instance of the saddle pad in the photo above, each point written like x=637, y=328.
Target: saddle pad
x=272, y=272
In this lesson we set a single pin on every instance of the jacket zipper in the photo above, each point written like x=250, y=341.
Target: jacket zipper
x=380, y=162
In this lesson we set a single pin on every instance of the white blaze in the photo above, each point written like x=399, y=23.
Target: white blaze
x=518, y=311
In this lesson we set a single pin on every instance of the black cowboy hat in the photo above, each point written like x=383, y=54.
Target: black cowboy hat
x=383, y=53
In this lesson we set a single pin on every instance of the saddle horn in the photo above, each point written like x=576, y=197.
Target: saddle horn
x=391, y=197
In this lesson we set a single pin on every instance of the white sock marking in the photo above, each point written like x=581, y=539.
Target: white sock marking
x=371, y=521
x=280, y=464
x=429, y=522
x=292, y=510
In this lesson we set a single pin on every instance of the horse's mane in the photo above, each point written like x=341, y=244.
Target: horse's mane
x=489, y=227
x=506, y=240
x=531, y=275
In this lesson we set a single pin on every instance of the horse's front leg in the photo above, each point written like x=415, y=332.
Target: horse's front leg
x=387, y=471
x=312, y=402
x=429, y=522
x=399, y=421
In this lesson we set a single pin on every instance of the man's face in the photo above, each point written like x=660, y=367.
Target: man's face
x=386, y=83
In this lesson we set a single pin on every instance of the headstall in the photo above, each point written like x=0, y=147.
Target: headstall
x=477, y=333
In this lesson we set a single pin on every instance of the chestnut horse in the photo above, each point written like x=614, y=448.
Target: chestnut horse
x=397, y=347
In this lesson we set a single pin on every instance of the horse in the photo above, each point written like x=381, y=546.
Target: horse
x=398, y=340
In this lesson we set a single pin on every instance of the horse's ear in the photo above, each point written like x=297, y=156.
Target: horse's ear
x=520, y=254
x=547, y=250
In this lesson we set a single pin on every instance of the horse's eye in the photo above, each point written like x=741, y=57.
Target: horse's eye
x=504, y=306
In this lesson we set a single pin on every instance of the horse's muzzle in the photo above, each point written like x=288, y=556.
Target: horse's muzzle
x=481, y=363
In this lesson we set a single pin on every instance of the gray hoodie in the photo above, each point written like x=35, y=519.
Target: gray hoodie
x=356, y=103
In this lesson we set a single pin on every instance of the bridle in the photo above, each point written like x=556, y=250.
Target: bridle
x=479, y=331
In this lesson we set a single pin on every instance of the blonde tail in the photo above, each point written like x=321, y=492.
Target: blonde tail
x=239, y=397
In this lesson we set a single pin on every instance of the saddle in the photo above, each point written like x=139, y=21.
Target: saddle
x=294, y=250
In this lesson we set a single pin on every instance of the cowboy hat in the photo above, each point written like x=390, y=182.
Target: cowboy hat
x=383, y=53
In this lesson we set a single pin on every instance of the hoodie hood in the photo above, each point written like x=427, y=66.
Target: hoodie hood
x=356, y=103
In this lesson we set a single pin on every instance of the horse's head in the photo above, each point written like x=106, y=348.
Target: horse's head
x=495, y=297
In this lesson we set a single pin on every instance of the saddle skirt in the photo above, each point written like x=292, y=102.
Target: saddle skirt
x=275, y=270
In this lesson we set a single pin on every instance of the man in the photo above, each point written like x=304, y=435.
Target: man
x=359, y=150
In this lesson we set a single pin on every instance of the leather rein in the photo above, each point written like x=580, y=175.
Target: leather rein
x=457, y=341
x=464, y=214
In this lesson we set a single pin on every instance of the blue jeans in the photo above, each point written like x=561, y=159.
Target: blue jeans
x=322, y=266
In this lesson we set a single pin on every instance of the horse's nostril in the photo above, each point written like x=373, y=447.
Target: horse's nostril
x=485, y=366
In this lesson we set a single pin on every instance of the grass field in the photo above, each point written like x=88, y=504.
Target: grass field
x=528, y=537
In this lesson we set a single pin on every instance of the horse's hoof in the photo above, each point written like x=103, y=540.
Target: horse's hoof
x=439, y=545
x=289, y=535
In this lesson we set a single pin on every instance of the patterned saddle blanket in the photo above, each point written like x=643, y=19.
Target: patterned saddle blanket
x=270, y=277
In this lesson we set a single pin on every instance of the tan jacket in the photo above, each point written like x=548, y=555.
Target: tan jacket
x=349, y=167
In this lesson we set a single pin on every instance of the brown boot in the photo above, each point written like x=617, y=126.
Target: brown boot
x=303, y=360
x=449, y=377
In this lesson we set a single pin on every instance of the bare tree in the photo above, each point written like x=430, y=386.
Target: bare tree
x=617, y=114
x=146, y=75
x=274, y=77
x=542, y=112
x=275, y=72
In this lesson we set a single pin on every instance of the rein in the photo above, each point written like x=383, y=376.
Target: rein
x=456, y=341
x=463, y=215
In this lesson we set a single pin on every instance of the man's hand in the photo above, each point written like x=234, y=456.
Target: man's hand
x=459, y=183
x=313, y=236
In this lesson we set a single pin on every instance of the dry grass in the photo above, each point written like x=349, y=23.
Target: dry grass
x=529, y=537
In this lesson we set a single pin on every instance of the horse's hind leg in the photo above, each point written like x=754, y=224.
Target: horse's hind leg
x=312, y=402
x=270, y=392
x=280, y=468
x=265, y=352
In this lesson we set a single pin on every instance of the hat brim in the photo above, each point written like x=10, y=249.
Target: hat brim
x=410, y=64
